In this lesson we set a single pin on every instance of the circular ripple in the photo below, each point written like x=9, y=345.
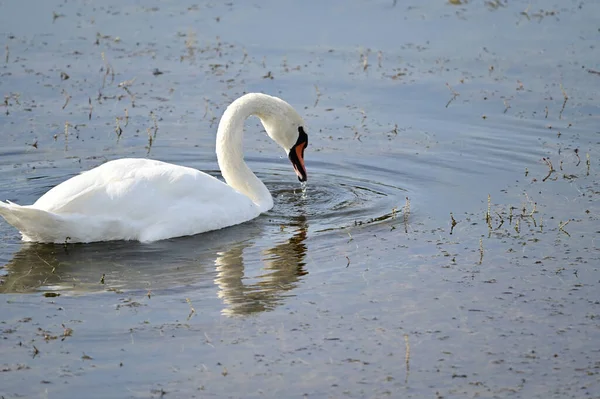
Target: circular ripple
x=333, y=201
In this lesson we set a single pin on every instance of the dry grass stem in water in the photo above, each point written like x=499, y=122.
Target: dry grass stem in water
x=577, y=155
x=67, y=124
x=406, y=214
x=192, y=310
x=131, y=96
x=153, y=116
x=118, y=129
x=407, y=356
x=150, y=140
x=454, y=94
x=480, y=250
x=318, y=95
x=67, y=98
x=108, y=71
x=564, y=102
x=206, y=104
x=488, y=216
x=550, y=168
x=588, y=163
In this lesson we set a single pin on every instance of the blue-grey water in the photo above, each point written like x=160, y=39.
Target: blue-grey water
x=418, y=113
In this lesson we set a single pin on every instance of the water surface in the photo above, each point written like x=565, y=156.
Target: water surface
x=359, y=287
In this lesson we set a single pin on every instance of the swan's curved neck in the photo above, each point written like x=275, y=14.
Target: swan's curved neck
x=230, y=153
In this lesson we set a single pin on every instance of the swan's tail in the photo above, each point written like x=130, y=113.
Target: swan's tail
x=34, y=224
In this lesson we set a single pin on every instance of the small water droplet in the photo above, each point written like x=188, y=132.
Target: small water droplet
x=303, y=185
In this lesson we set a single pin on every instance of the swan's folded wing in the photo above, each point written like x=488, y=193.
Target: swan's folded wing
x=140, y=189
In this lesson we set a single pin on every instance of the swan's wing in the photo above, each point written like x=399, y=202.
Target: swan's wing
x=156, y=196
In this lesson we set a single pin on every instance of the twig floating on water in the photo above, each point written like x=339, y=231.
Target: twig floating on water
x=561, y=227
x=67, y=332
x=501, y=221
x=56, y=16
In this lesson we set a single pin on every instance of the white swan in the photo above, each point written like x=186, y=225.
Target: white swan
x=147, y=200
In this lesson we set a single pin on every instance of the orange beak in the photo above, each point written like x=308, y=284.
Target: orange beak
x=299, y=164
x=296, y=155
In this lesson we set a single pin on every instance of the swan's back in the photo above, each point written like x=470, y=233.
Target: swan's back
x=132, y=199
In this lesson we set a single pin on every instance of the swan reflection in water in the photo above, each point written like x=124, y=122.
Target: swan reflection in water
x=169, y=266
x=283, y=267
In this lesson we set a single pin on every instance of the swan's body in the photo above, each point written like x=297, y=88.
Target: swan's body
x=147, y=200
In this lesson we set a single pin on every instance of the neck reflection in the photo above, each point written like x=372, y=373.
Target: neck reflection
x=283, y=268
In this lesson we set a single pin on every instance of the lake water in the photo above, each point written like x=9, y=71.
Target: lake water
x=418, y=114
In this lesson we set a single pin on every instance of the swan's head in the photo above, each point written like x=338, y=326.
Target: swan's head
x=285, y=127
